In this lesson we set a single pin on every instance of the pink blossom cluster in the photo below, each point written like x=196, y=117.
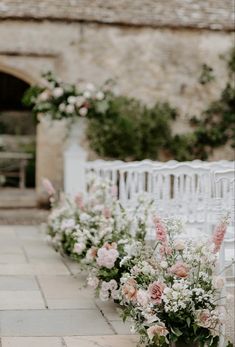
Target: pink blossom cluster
x=107, y=255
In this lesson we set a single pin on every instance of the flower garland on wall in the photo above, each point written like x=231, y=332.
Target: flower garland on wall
x=168, y=287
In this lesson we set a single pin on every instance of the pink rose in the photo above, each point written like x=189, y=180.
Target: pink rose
x=129, y=289
x=142, y=297
x=155, y=290
x=180, y=269
x=158, y=329
x=203, y=318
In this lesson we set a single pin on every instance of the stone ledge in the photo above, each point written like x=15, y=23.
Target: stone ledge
x=210, y=14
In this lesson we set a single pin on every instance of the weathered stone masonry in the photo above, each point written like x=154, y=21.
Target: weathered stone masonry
x=154, y=49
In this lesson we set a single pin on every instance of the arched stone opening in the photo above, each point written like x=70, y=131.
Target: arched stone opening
x=17, y=132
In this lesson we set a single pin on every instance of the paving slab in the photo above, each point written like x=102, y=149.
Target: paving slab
x=101, y=341
x=33, y=269
x=21, y=300
x=12, y=258
x=70, y=294
x=15, y=283
x=53, y=323
x=32, y=342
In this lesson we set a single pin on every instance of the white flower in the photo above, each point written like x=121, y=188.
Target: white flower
x=58, y=92
x=179, y=245
x=83, y=111
x=87, y=94
x=143, y=297
x=44, y=96
x=100, y=96
x=79, y=101
x=79, y=247
x=93, y=282
x=164, y=264
x=62, y=107
x=70, y=108
x=72, y=99
x=68, y=224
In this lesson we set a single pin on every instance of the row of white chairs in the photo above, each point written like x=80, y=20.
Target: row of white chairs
x=188, y=189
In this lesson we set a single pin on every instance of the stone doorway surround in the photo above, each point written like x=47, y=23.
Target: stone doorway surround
x=49, y=136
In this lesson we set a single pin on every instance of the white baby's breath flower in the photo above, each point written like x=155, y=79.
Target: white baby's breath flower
x=58, y=92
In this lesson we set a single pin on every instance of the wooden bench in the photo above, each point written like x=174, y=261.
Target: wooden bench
x=21, y=160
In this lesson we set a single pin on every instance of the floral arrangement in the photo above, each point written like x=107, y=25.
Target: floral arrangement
x=75, y=227
x=61, y=100
x=123, y=243
x=172, y=294
x=168, y=288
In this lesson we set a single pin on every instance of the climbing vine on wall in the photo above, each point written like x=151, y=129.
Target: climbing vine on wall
x=124, y=128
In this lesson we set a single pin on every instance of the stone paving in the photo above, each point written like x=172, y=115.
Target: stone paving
x=43, y=300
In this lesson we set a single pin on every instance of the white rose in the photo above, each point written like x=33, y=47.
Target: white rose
x=62, y=107
x=179, y=245
x=83, y=111
x=87, y=94
x=79, y=101
x=100, y=96
x=57, y=92
x=72, y=100
x=70, y=108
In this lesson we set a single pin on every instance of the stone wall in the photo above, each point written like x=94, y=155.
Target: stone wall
x=148, y=63
x=213, y=14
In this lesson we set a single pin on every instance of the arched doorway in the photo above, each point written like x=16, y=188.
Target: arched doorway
x=17, y=135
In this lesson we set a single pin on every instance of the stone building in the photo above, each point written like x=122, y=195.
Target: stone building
x=153, y=48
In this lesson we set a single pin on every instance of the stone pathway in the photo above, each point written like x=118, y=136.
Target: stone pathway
x=43, y=301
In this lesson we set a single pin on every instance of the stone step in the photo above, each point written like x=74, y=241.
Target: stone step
x=17, y=198
x=24, y=216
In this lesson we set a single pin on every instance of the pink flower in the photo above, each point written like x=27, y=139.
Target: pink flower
x=107, y=257
x=48, y=186
x=180, y=270
x=91, y=253
x=106, y=212
x=142, y=297
x=158, y=329
x=155, y=290
x=79, y=201
x=165, y=250
x=161, y=233
x=93, y=282
x=203, y=318
x=219, y=234
x=79, y=248
x=129, y=289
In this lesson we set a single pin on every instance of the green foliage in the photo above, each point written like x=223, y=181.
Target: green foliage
x=214, y=128
x=207, y=74
x=130, y=130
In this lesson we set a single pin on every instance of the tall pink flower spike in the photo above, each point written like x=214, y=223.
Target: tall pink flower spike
x=161, y=233
x=79, y=201
x=219, y=233
x=48, y=186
